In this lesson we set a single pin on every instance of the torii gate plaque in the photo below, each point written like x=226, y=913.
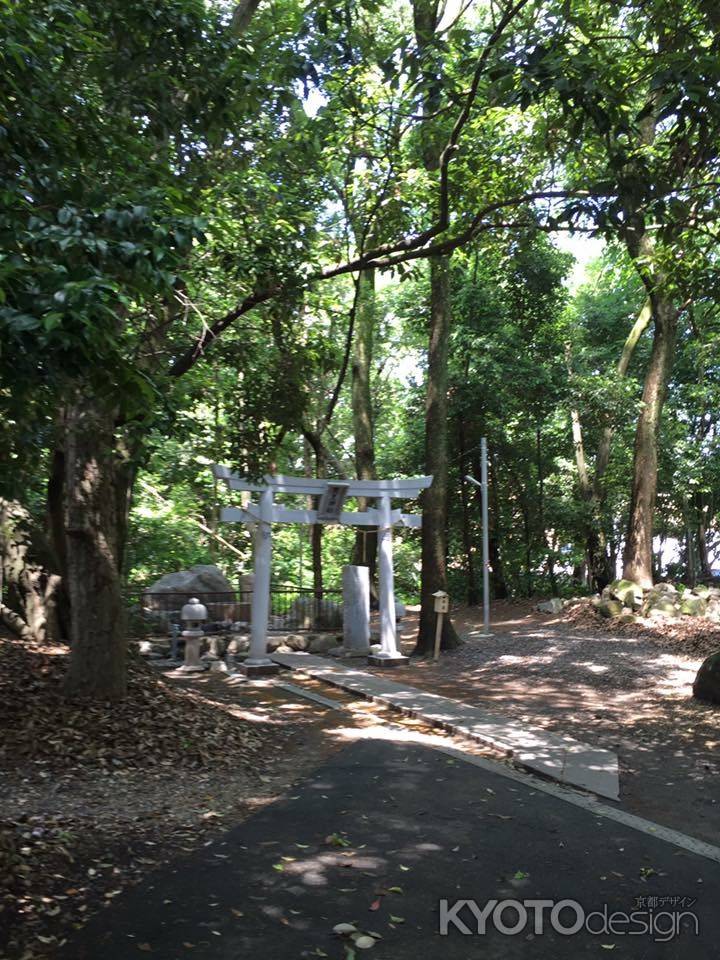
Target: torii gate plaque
x=332, y=494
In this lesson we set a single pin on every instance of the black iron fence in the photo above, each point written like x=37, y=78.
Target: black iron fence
x=291, y=609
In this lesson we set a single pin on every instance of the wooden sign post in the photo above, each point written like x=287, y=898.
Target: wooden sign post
x=332, y=494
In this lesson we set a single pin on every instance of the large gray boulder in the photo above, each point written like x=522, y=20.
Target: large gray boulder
x=707, y=681
x=202, y=578
x=166, y=597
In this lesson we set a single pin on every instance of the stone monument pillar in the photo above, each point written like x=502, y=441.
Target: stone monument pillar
x=356, y=610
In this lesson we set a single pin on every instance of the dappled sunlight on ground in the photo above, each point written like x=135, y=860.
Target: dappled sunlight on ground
x=621, y=693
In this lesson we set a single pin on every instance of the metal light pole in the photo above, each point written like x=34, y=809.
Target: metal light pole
x=483, y=485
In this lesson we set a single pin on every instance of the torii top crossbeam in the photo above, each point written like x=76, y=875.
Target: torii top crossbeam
x=331, y=494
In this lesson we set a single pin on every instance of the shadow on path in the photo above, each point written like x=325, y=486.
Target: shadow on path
x=376, y=837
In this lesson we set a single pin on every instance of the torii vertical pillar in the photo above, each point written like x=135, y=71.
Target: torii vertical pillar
x=258, y=664
x=389, y=655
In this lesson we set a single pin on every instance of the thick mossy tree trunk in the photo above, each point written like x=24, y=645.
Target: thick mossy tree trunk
x=94, y=488
x=365, y=551
x=637, y=558
x=435, y=498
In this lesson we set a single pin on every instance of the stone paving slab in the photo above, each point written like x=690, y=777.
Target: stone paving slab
x=563, y=758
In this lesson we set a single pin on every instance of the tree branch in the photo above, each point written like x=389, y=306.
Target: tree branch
x=384, y=257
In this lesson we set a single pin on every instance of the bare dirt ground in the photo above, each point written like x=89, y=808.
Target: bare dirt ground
x=90, y=806
x=630, y=694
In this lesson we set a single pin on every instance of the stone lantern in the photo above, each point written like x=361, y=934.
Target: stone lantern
x=193, y=615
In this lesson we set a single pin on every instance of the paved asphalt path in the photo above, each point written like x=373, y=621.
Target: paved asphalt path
x=419, y=826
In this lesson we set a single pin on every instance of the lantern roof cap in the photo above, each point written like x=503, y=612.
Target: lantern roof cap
x=194, y=610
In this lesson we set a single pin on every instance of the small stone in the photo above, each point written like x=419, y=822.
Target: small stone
x=364, y=942
x=660, y=604
x=712, y=611
x=321, y=644
x=665, y=588
x=692, y=606
x=554, y=605
x=628, y=593
x=609, y=608
x=297, y=641
x=627, y=617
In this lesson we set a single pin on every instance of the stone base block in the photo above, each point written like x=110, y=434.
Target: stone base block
x=399, y=661
x=259, y=669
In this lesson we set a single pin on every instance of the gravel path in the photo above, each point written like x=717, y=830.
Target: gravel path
x=623, y=693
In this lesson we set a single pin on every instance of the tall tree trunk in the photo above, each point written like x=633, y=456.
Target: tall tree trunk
x=702, y=510
x=527, y=539
x=544, y=538
x=593, y=491
x=602, y=460
x=473, y=594
x=435, y=498
x=312, y=439
x=595, y=549
x=317, y=565
x=365, y=551
x=499, y=586
x=56, y=531
x=317, y=536
x=637, y=558
x=98, y=647
x=426, y=17
x=642, y=247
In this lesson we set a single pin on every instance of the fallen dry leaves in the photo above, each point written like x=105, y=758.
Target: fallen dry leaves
x=62, y=859
x=154, y=724
x=694, y=636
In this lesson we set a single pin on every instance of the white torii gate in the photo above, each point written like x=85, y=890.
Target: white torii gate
x=332, y=494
